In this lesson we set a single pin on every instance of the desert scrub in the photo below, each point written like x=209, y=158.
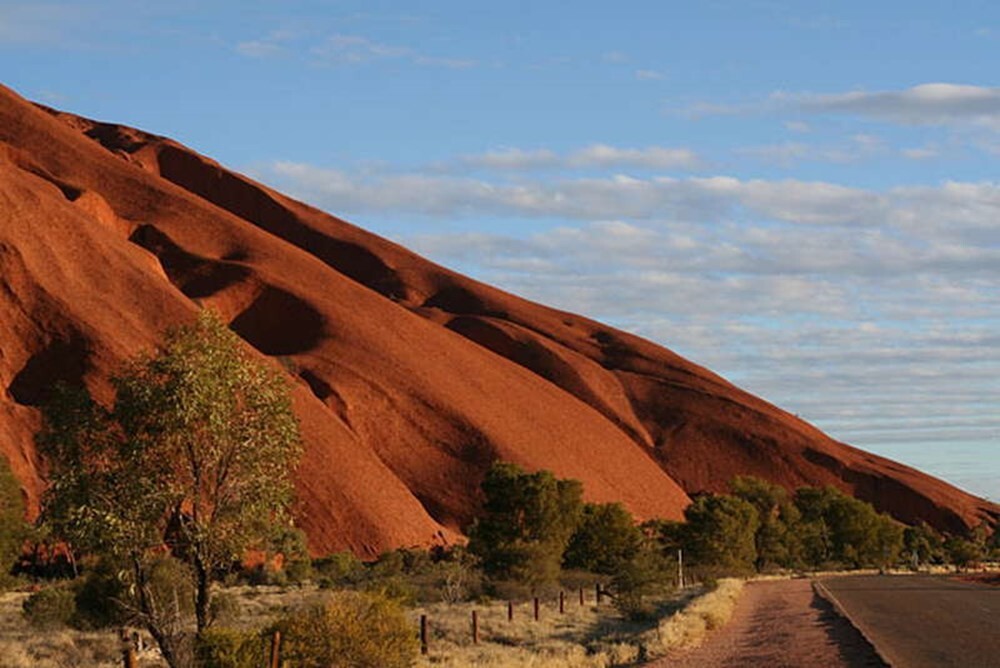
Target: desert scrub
x=688, y=627
x=50, y=608
x=230, y=648
x=584, y=636
x=23, y=646
x=349, y=630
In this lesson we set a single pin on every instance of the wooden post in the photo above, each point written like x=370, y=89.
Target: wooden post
x=562, y=602
x=581, y=596
x=275, y=659
x=475, y=627
x=597, y=593
x=536, y=608
x=510, y=611
x=128, y=649
x=423, y=634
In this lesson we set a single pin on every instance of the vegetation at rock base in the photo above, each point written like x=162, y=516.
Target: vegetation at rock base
x=526, y=524
x=13, y=529
x=351, y=630
x=160, y=497
x=194, y=455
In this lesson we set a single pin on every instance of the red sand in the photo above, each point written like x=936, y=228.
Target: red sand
x=410, y=378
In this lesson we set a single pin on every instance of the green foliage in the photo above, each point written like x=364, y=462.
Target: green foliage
x=290, y=543
x=646, y=572
x=338, y=570
x=841, y=529
x=13, y=529
x=230, y=648
x=963, y=552
x=99, y=597
x=606, y=538
x=352, y=630
x=720, y=532
x=527, y=522
x=50, y=608
x=195, y=452
x=776, y=540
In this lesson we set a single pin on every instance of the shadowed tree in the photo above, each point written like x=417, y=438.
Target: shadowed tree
x=194, y=456
x=720, y=532
x=606, y=538
x=526, y=523
x=13, y=529
x=776, y=540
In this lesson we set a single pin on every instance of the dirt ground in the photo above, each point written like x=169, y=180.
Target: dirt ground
x=776, y=624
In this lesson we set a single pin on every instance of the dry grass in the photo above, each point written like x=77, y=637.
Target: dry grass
x=688, y=627
x=584, y=637
x=587, y=636
x=22, y=646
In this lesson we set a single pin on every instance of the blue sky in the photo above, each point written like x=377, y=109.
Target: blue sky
x=802, y=196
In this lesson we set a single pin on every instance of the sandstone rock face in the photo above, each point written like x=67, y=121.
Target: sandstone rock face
x=409, y=379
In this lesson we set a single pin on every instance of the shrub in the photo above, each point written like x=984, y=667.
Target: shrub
x=721, y=531
x=352, y=630
x=526, y=524
x=338, y=569
x=50, y=608
x=13, y=528
x=97, y=599
x=642, y=575
x=606, y=538
x=230, y=648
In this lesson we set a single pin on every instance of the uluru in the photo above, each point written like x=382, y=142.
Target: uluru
x=408, y=379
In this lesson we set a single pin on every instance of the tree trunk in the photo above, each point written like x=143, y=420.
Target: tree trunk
x=202, y=595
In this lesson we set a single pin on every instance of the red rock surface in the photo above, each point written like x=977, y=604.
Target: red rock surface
x=409, y=378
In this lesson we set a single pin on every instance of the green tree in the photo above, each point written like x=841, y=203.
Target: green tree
x=838, y=528
x=776, y=540
x=195, y=454
x=350, y=630
x=720, y=532
x=962, y=552
x=526, y=523
x=922, y=544
x=13, y=528
x=606, y=538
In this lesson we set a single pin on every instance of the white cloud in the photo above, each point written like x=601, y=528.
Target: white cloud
x=925, y=104
x=943, y=104
x=615, y=57
x=871, y=312
x=786, y=154
x=648, y=75
x=799, y=127
x=354, y=49
x=272, y=44
x=346, y=49
x=592, y=156
x=511, y=159
x=41, y=23
x=971, y=208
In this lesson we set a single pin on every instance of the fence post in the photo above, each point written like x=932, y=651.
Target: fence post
x=510, y=611
x=128, y=649
x=275, y=659
x=536, y=608
x=562, y=601
x=597, y=593
x=475, y=627
x=423, y=634
x=581, y=596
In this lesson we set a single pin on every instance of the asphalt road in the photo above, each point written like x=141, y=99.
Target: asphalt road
x=923, y=621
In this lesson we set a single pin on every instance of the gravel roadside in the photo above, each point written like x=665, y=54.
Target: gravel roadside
x=779, y=624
